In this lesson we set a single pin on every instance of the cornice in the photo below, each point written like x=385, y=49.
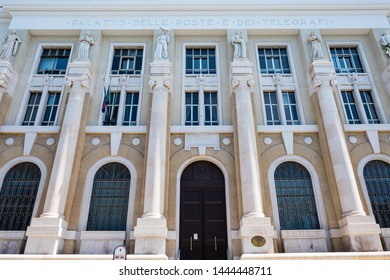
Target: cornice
x=172, y=6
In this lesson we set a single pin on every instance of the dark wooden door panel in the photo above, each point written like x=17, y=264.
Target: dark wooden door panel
x=203, y=213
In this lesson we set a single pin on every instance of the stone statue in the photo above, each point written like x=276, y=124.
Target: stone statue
x=385, y=41
x=162, y=41
x=10, y=46
x=85, y=43
x=316, y=47
x=239, y=45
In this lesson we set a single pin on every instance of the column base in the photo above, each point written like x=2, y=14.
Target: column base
x=150, y=236
x=360, y=234
x=256, y=235
x=46, y=236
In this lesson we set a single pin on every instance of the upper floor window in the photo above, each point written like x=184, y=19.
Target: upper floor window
x=346, y=60
x=355, y=114
x=273, y=60
x=201, y=108
x=49, y=102
x=121, y=108
x=127, y=61
x=200, y=61
x=54, y=61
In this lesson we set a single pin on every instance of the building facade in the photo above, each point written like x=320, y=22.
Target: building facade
x=194, y=130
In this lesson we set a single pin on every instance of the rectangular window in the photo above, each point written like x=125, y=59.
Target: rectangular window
x=369, y=107
x=290, y=108
x=54, y=61
x=192, y=108
x=32, y=108
x=127, y=61
x=51, y=108
x=346, y=60
x=131, y=108
x=271, y=108
x=350, y=107
x=211, y=108
x=200, y=61
x=273, y=61
x=111, y=112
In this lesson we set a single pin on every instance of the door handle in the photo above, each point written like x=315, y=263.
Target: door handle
x=215, y=244
x=190, y=243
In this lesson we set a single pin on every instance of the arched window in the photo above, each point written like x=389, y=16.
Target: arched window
x=295, y=197
x=109, y=199
x=17, y=196
x=376, y=175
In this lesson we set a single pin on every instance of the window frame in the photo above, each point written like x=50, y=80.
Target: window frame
x=362, y=163
x=288, y=87
x=349, y=86
x=322, y=219
x=12, y=163
x=125, y=87
x=86, y=199
x=200, y=85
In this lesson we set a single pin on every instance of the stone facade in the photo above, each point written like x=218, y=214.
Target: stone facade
x=245, y=143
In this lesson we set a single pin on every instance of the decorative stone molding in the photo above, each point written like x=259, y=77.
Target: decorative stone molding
x=168, y=84
x=235, y=83
x=201, y=141
x=277, y=78
x=152, y=84
x=317, y=83
x=85, y=84
x=69, y=83
x=250, y=83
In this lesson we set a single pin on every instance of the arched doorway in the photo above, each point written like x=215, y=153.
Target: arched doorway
x=203, y=227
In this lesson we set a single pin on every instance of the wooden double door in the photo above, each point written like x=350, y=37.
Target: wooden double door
x=203, y=231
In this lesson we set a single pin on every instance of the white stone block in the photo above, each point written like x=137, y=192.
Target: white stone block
x=304, y=241
x=101, y=242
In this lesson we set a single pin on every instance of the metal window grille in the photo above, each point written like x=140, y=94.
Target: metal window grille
x=32, y=108
x=295, y=197
x=211, y=108
x=192, y=108
x=273, y=60
x=131, y=108
x=271, y=108
x=290, y=108
x=350, y=107
x=109, y=199
x=376, y=175
x=51, y=108
x=369, y=107
x=17, y=196
x=127, y=61
x=346, y=60
x=200, y=61
x=54, y=61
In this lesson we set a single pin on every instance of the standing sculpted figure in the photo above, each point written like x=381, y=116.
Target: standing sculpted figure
x=385, y=41
x=162, y=41
x=316, y=47
x=239, y=45
x=85, y=43
x=10, y=46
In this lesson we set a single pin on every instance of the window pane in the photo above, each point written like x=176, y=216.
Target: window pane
x=376, y=175
x=18, y=195
x=109, y=199
x=295, y=197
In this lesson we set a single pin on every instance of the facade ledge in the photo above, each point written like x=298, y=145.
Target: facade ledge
x=287, y=128
x=202, y=129
x=99, y=129
x=17, y=129
x=366, y=127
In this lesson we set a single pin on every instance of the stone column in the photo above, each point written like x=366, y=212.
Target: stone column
x=8, y=80
x=151, y=230
x=253, y=222
x=359, y=232
x=46, y=233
